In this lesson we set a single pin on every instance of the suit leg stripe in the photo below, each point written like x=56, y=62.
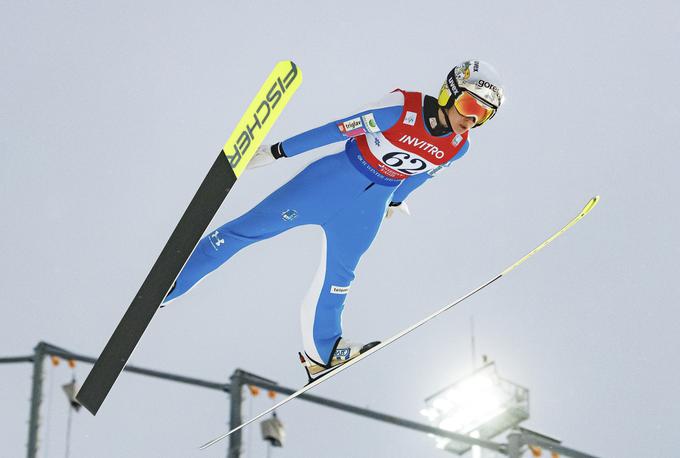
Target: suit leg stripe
x=308, y=308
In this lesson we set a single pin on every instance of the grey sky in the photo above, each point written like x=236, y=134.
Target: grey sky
x=111, y=114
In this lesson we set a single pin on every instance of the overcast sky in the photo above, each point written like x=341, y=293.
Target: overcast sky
x=111, y=113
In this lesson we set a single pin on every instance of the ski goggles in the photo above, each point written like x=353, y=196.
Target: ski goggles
x=468, y=105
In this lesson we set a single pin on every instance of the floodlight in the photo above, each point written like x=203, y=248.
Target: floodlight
x=481, y=405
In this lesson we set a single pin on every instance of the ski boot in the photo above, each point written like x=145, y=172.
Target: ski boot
x=343, y=352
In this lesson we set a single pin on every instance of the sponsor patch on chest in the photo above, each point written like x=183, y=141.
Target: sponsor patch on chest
x=410, y=118
x=369, y=123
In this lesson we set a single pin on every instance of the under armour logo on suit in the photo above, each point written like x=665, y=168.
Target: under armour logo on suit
x=215, y=239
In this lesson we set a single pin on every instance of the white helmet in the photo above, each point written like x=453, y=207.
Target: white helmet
x=476, y=77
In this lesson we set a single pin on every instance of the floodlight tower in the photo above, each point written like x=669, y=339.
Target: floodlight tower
x=481, y=405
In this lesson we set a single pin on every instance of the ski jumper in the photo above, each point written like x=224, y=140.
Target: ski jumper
x=388, y=152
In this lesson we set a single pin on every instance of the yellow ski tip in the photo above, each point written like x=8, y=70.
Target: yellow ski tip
x=589, y=206
x=258, y=119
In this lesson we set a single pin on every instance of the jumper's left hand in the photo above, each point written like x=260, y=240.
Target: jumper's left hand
x=401, y=207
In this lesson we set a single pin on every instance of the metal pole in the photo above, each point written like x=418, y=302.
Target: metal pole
x=68, y=431
x=36, y=400
x=515, y=445
x=56, y=351
x=235, y=414
x=17, y=359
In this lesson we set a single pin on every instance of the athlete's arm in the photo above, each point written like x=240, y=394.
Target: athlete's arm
x=407, y=186
x=380, y=116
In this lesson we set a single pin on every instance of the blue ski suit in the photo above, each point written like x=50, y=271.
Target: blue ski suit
x=389, y=151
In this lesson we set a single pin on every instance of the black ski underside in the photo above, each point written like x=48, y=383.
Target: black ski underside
x=207, y=200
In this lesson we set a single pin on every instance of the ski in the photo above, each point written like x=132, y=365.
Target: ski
x=256, y=122
x=589, y=206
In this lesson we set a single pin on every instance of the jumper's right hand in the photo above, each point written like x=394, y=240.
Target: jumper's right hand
x=265, y=155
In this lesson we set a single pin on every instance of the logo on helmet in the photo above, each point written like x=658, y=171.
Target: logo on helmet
x=463, y=71
x=453, y=87
x=487, y=85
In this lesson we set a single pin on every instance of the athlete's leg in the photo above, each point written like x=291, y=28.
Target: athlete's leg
x=222, y=243
x=308, y=198
x=347, y=236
